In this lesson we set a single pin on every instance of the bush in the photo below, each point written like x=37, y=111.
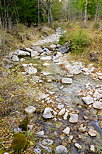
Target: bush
x=78, y=40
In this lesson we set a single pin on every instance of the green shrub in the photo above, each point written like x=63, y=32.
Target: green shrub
x=79, y=40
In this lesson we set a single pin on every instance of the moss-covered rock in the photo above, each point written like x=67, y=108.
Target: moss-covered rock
x=19, y=142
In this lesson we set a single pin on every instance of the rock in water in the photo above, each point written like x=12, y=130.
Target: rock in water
x=19, y=142
x=61, y=150
x=67, y=80
x=49, y=113
x=73, y=118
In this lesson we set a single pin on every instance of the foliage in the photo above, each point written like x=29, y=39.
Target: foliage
x=19, y=142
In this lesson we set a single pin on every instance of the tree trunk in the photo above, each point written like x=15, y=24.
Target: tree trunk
x=85, y=19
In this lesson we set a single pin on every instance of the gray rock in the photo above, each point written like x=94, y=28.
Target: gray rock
x=29, y=68
x=37, y=150
x=66, y=130
x=34, y=53
x=97, y=105
x=30, y=109
x=16, y=130
x=38, y=49
x=15, y=58
x=88, y=99
x=21, y=53
x=62, y=111
x=73, y=118
x=41, y=133
x=47, y=142
x=46, y=58
x=67, y=80
x=92, y=132
x=61, y=150
x=49, y=113
x=46, y=50
x=77, y=145
x=64, y=49
x=60, y=106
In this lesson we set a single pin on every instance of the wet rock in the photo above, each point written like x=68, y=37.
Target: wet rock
x=46, y=58
x=41, y=133
x=82, y=128
x=46, y=50
x=47, y=142
x=65, y=116
x=21, y=53
x=67, y=80
x=73, y=118
x=97, y=105
x=77, y=145
x=92, y=132
x=62, y=111
x=30, y=109
x=49, y=113
x=92, y=148
x=61, y=150
x=66, y=130
x=19, y=142
x=88, y=99
x=38, y=49
x=37, y=150
x=15, y=58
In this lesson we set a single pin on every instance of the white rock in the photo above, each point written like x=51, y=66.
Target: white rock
x=92, y=148
x=62, y=111
x=15, y=58
x=49, y=113
x=6, y=153
x=46, y=64
x=30, y=109
x=88, y=99
x=38, y=49
x=92, y=132
x=41, y=133
x=60, y=106
x=61, y=150
x=65, y=116
x=97, y=95
x=47, y=142
x=29, y=68
x=29, y=49
x=21, y=53
x=34, y=53
x=37, y=150
x=97, y=105
x=53, y=46
x=73, y=118
x=66, y=130
x=46, y=73
x=67, y=80
x=46, y=58
x=22, y=59
x=30, y=127
x=77, y=145
x=82, y=128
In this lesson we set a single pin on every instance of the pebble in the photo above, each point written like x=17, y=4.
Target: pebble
x=92, y=132
x=61, y=112
x=92, y=148
x=49, y=113
x=61, y=150
x=82, y=128
x=41, y=133
x=65, y=116
x=30, y=109
x=47, y=142
x=88, y=99
x=97, y=105
x=77, y=145
x=73, y=118
x=66, y=130
x=67, y=80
